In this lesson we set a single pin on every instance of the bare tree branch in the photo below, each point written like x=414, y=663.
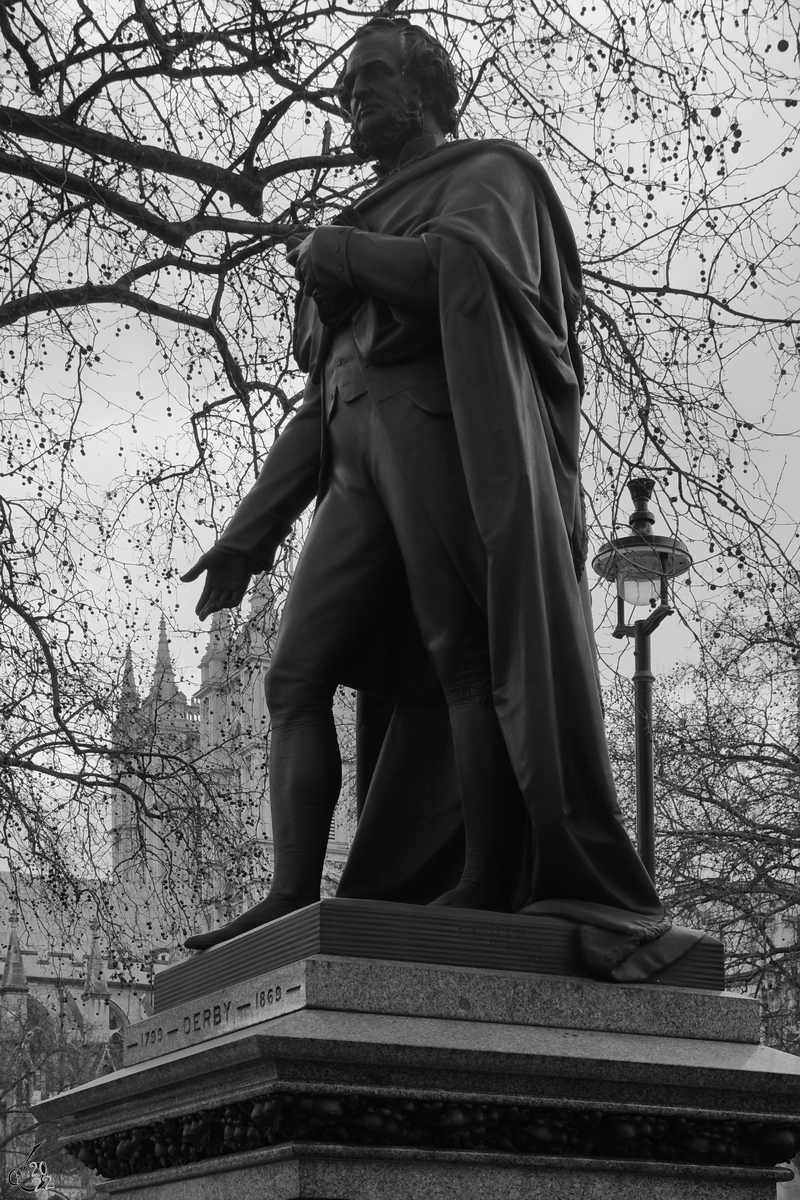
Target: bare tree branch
x=243, y=188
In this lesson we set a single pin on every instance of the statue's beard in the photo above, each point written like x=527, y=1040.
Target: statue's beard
x=400, y=127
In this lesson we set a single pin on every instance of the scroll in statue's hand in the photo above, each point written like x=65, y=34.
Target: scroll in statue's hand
x=227, y=579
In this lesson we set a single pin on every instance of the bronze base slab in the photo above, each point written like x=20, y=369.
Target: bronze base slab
x=377, y=929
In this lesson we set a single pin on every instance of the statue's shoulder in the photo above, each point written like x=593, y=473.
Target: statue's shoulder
x=480, y=150
x=492, y=154
x=457, y=164
x=484, y=147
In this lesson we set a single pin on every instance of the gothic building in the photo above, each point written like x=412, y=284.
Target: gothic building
x=220, y=736
x=62, y=1016
x=193, y=800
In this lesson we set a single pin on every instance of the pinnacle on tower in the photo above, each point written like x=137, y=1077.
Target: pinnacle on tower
x=106, y=1066
x=219, y=637
x=163, y=688
x=129, y=701
x=95, y=987
x=124, y=724
x=14, y=978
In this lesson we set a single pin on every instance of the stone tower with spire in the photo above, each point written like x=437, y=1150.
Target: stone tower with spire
x=224, y=729
x=166, y=707
x=234, y=727
x=165, y=719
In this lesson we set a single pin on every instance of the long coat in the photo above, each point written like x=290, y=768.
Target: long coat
x=510, y=292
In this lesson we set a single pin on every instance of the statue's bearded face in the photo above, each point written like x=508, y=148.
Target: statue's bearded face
x=384, y=103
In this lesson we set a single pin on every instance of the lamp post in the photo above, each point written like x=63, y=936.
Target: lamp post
x=641, y=566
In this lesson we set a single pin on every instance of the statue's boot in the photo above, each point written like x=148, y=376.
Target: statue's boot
x=305, y=779
x=493, y=812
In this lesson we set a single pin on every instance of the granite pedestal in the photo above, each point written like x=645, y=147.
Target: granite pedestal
x=337, y=1077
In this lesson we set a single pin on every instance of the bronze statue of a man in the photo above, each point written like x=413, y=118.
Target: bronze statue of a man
x=442, y=575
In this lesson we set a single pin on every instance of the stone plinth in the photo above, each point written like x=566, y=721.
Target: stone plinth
x=381, y=1080
x=334, y=1173
x=454, y=993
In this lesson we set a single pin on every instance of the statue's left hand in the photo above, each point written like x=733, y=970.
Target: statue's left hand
x=227, y=579
x=300, y=258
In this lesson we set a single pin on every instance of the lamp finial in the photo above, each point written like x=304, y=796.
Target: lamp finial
x=641, y=518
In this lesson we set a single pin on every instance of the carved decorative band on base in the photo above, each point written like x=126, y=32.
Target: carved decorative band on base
x=369, y=1120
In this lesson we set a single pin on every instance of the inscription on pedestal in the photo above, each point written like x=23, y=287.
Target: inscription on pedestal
x=243, y=1004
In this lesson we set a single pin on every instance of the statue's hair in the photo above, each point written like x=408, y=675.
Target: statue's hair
x=426, y=61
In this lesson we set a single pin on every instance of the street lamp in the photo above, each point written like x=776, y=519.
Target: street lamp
x=642, y=566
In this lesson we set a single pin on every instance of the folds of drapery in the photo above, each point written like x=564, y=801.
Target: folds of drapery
x=509, y=285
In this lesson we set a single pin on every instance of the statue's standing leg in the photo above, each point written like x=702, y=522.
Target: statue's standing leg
x=305, y=778
x=494, y=816
x=305, y=774
x=340, y=579
x=447, y=582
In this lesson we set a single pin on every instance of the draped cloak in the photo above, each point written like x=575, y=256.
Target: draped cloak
x=510, y=292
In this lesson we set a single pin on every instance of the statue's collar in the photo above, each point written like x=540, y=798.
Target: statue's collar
x=418, y=147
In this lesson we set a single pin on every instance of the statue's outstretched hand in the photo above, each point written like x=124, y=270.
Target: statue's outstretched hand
x=227, y=579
